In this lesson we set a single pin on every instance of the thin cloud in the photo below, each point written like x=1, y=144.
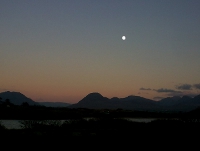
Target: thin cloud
x=175, y=93
x=163, y=90
x=183, y=94
x=145, y=89
x=184, y=87
x=196, y=86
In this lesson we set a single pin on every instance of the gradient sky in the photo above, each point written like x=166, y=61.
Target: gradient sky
x=62, y=50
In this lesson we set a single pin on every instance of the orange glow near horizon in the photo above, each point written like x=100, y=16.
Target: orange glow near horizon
x=63, y=51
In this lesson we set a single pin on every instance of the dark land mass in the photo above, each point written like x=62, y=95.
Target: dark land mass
x=101, y=127
x=16, y=98
x=106, y=128
x=106, y=132
x=26, y=112
x=95, y=105
x=97, y=101
x=171, y=104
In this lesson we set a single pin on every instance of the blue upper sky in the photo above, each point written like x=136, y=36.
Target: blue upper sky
x=61, y=50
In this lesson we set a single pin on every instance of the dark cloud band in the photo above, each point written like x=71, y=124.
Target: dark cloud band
x=184, y=87
x=163, y=90
x=145, y=89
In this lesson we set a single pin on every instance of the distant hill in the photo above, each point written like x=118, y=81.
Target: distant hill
x=93, y=101
x=184, y=103
x=169, y=101
x=97, y=101
x=16, y=98
x=54, y=104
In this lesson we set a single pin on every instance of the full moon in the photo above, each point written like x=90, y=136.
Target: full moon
x=123, y=37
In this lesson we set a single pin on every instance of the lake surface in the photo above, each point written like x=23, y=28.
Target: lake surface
x=15, y=124
x=11, y=124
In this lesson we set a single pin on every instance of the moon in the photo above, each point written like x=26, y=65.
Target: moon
x=123, y=37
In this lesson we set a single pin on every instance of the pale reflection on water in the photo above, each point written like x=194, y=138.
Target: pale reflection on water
x=15, y=124
x=145, y=120
x=11, y=124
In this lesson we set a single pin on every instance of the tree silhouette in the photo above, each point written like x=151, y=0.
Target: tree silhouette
x=2, y=127
x=1, y=102
x=8, y=103
x=25, y=104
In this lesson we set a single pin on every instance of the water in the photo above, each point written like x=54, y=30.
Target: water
x=15, y=124
x=145, y=120
x=11, y=124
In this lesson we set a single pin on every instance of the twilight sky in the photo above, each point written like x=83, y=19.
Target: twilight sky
x=62, y=50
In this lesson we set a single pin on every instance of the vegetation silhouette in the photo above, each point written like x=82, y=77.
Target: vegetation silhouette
x=97, y=125
x=2, y=127
x=104, y=132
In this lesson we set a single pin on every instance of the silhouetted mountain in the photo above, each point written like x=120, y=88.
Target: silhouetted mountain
x=176, y=103
x=54, y=104
x=189, y=103
x=169, y=101
x=184, y=103
x=16, y=98
x=97, y=101
x=138, y=103
x=92, y=101
x=115, y=99
x=197, y=99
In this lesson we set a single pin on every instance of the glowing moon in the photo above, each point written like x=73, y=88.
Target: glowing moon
x=123, y=37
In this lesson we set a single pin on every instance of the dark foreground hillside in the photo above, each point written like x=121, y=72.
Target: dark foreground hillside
x=100, y=128
x=62, y=113
x=104, y=130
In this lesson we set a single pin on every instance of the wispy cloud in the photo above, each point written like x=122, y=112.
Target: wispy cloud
x=182, y=94
x=164, y=90
x=176, y=93
x=184, y=87
x=145, y=89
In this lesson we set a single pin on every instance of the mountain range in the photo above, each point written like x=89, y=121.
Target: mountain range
x=18, y=98
x=96, y=101
x=176, y=103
